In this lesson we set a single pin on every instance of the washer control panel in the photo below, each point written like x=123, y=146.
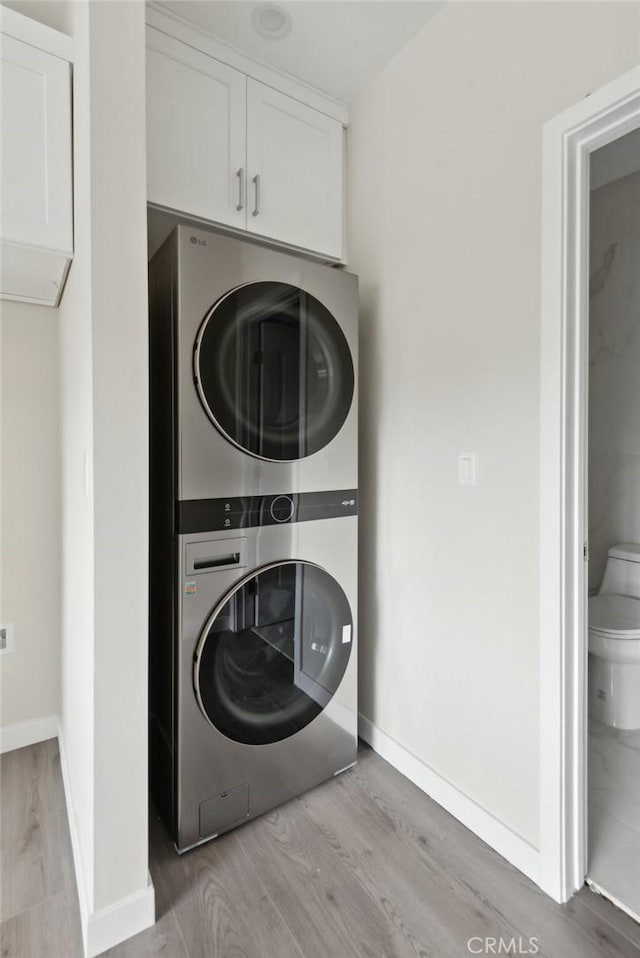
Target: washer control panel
x=212, y=515
x=282, y=508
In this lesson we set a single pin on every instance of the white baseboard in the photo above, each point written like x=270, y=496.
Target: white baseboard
x=22, y=734
x=109, y=926
x=495, y=833
x=83, y=897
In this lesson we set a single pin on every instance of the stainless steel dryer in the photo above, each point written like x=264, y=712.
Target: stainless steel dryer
x=259, y=350
x=260, y=702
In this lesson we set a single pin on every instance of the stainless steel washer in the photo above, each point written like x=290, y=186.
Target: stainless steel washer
x=262, y=673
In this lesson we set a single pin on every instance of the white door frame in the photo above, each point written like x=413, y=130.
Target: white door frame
x=568, y=141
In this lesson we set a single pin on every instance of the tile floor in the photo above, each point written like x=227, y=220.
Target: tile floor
x=614, y=814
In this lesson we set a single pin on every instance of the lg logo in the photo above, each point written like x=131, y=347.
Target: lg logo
x=503, y=946
x=196, y=241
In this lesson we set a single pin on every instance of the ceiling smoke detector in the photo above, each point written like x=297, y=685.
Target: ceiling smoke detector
x=271, y=21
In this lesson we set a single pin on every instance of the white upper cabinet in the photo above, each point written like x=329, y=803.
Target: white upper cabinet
x=230, y=149
x=36, y=215
x=195, y=132
x=35, y=133
x=295, y=171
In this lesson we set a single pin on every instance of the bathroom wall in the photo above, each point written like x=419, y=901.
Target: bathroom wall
x=445, y=150
x=614, y=370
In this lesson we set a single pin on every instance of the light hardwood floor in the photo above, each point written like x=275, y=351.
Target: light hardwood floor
x=365, y=866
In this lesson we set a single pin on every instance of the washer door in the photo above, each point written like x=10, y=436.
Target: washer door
x=273, y=653
x=273, y=371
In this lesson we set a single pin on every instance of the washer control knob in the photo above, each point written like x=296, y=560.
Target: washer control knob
x=282, y=509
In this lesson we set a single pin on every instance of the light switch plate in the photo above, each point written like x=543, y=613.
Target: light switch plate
x=467, y=469
x=6, y=638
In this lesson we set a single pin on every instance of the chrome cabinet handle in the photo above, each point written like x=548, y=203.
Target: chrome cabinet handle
x=256, y=182
x=240, y=175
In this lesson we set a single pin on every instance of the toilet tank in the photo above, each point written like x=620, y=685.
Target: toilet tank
x=622, y=571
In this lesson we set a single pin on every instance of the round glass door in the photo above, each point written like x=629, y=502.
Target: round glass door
x=273, y=371
x=273, y=653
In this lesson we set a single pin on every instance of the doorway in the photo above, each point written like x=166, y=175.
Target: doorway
x=570, y=140
x=613, y=523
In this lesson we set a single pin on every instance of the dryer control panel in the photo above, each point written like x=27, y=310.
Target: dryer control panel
x=246, y=512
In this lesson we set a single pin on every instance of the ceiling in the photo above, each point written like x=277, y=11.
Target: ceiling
x=334, y=45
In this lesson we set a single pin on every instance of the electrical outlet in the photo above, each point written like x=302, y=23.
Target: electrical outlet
x=6, y=638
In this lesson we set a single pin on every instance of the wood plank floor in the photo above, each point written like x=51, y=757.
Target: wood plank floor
x=365, y=866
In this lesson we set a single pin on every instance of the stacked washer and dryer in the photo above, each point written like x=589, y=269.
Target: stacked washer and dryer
x=253, y=529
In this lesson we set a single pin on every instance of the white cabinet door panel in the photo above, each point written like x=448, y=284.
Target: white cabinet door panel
x=195, y=132
x=296, y=153
x=35, y=134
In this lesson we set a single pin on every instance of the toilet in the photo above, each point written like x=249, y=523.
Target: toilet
x=614, y=641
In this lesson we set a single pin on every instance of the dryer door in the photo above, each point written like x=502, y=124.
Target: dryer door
x=273, y=371
x=273, y=653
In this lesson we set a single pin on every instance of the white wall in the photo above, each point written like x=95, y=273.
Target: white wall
x=30, y=512
x=614, y=364
x=120, y=398
x=444, y=185
x=103, y=359
x=76, y=380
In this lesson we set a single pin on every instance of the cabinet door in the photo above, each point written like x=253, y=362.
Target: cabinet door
x=295, y=170
x=195, y=132
x=35, y=133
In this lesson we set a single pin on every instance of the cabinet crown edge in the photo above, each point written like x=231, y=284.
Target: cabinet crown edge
x=36, y=34
x=194, y=36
